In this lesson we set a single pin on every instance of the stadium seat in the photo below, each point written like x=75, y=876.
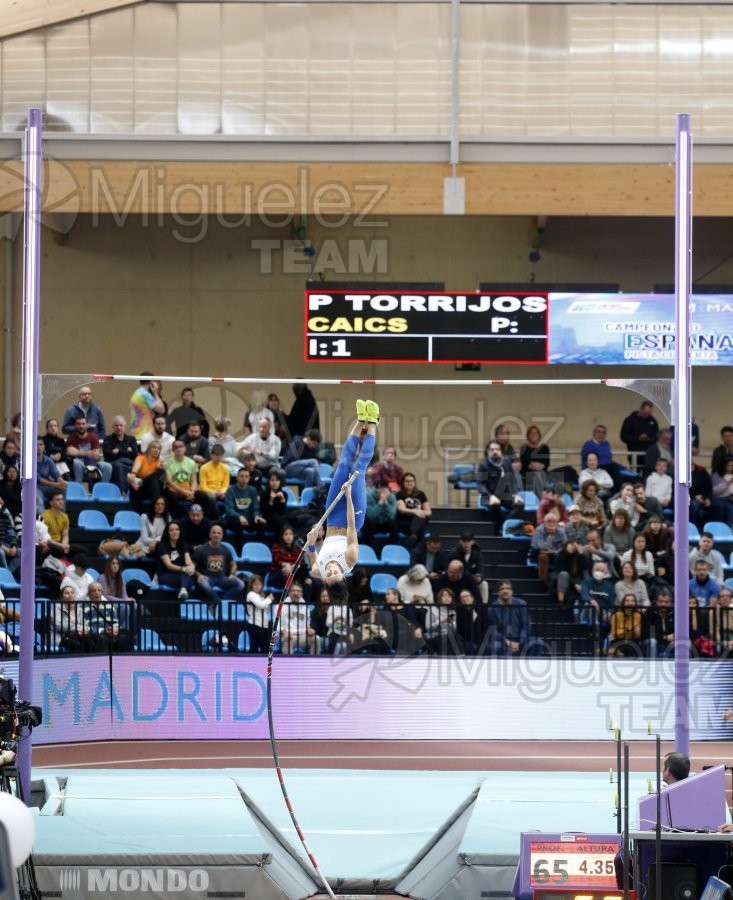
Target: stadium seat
x=381, y=582
x=506, y=529
x=231, y=611
x=326, y=472
x=150, y=640
x=719, y=530
x=395, y=555
x=127, y=520
x=692, y=532
x=531, y=501
x=463, y=478
x=367, y=556
x=7, y=579
x=93, y=520
x=105, y=492
x=195, y=611
x=243, y=641
x=75, y=491
x=306, y=496
x=255, y=552
x=293, y=501
x=213, y=641
x=137, y=574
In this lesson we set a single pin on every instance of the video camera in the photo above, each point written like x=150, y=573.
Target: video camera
x=15, y=714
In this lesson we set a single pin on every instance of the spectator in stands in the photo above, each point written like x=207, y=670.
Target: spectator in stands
x=724, y=451
x=723, y=614
x=703, y=506
x=102, y=623
x=597, y=551
x=57, y=522
x=498, y=486
x=509, y=624
x=413, y=510
x=85, y=409
x=145, y=404
x=571, y=568
x=502, y=435
x=114, y=589
x=415, y=586
x=441, y=636
x=360, y=588
x=402, y=623
x=646, y=506
x=249, y=463
x=722, y=483
x=264, y=445
x=640, y=555
x=303, y=413
x=285, y=556
x=152, y=526
x=279, y=419
x=659, y=483
x=468, y=552
x=388, y=470
x=197, y=444
x=661, y=450
x=665, y=565
x=381, y=513
x=48, y=479
x=258, y=409
x=221, y=435
x=706, y=551
x=120, y=450
x=430, y=554
x=85, y=453
x=187, y=412
x=658, y=538
x=702, y=586
x=161, y=435
x=296, y=632
x=300, y=459
x=625, y=634
x=15, y=434
x=630, y=583
x=457, y=579
x=599, y=445
x=78, y=577
x=593, y=472
x=216, y=568
x=242, y=508
x=657, y=627
x=213, y=482
x=174, y=566
x=147, y=477
x=9, y=544
x=592, y=510
x=552, y=502
x=55, y=446
x=595, y=605
x=338, y=627
x=626, y=500
x=619, y=533
x=576, y=529
x=259, y=608
x=547, y=541
x=67, y=625
x=195, y=527
x=700, y=628
x=274, y=502
x=9, y=455
x=471, y=624
x=181, y=478
x=534, y=458
x=639, y=431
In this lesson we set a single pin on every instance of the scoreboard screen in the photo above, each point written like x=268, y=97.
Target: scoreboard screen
x=426, y=326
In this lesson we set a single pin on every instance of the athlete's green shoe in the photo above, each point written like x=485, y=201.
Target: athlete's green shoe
x=361, y=410
x=372, y=412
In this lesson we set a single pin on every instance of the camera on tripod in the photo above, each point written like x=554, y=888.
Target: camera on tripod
x=15, y=714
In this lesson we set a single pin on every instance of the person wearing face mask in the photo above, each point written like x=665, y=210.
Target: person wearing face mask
x=597, y=600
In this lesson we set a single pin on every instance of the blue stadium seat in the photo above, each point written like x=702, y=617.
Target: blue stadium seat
x=93, y=520
x=531, y=501
x=381, y=582
x=508, y=525
x=150, y=640
x=195, y=611
x=136, y=573
x=106, y=492
x=243, y=641
x=127, y=520
x=395, y=555
x=255, y=552
x=293, y=501
x=719, y=530
x=7, y=579
x=326, y=472
x=75, y=491
x=367, y=556
x=692, y=532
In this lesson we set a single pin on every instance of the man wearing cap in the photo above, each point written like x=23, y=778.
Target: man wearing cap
x=195, y=529
x=576, y=530
x=429, y=554
x=468, y=552
x=213, y=482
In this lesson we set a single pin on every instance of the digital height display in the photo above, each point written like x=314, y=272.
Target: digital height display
x=420, y=327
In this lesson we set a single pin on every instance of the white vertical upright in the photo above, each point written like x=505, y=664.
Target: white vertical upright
x=682, y=428
x=31, y=304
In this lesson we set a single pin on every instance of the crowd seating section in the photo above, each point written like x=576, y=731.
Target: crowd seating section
x=165, y=624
